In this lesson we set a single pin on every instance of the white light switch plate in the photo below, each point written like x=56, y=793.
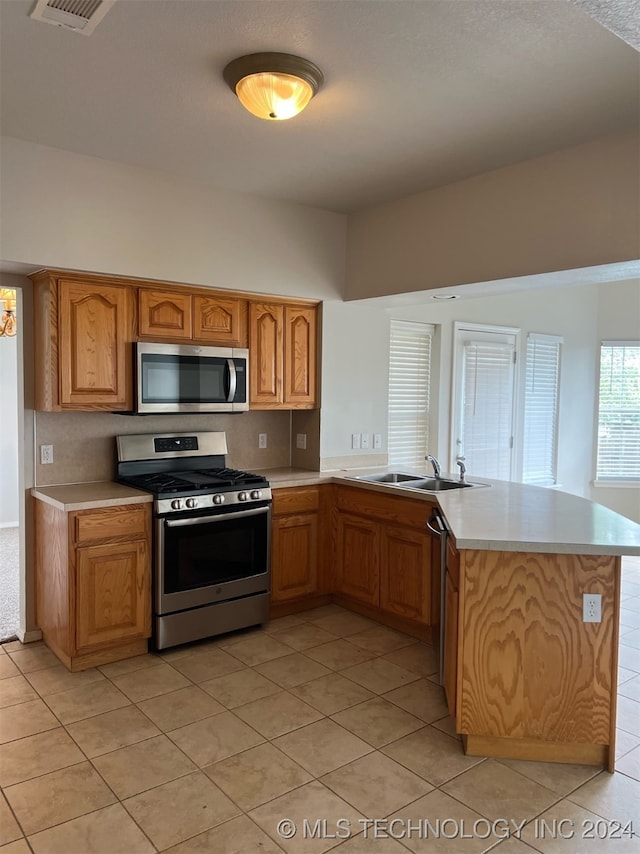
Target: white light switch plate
x=366, y=441
x=301, y=441
x=262, y=440
x=355, y=441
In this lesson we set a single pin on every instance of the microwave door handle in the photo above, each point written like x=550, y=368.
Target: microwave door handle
x=232, y=380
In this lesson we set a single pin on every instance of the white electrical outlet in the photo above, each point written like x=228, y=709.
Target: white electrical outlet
x=301, y=441
x=262, y=440
x=377, y=440
x=591, y=608
x=366, y=441
x=355, y=441
x=46, y=454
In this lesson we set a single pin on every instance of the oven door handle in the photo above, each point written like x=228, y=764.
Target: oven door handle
x=205, y=520
x=232, y=380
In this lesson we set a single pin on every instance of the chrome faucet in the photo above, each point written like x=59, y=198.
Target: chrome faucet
x=463, y=468
x=435, y=464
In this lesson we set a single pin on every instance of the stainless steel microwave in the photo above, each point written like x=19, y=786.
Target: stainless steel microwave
x=182, y=378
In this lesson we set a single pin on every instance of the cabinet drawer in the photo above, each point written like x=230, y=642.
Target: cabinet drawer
x=295, y=500
x=127, y=522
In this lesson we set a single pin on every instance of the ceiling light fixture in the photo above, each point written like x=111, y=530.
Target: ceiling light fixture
x=273, y=86
x=445, y=296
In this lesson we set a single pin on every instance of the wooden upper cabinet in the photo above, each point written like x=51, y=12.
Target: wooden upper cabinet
x=266, y=355
x=93, y=328
x=283, y=356
x=218, y=320
x=300, y=357
x=164, y=314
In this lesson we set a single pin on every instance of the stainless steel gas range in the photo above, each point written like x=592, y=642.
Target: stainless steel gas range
x=211, y=549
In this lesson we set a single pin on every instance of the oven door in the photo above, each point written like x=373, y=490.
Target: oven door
x=202, y=559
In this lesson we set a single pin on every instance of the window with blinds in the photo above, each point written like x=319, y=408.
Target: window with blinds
x=409, y=384
x=618, y=456
x=542, y=377
x=486, y=434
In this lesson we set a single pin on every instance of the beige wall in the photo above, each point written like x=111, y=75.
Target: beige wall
x=579, y=207
x=67, y=210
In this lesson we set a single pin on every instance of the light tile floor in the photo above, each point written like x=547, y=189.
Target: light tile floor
x=320, y=716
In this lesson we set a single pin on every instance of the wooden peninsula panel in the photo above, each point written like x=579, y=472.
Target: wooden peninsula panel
x=529, y=668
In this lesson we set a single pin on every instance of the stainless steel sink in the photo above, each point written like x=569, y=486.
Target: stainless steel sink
x=440, y=484
x=403, y=480
x=388, y=477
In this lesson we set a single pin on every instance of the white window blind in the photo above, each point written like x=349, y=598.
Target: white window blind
x=487, y=408
x=619, y=412
x=542, y=377
x=409, y=383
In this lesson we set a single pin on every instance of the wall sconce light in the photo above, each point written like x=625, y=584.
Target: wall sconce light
x=273, y=86
x=8, y=324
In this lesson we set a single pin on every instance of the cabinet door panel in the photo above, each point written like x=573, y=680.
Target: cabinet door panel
x=358, y=559
x=113, y=599
x=300, y=357
x=266, y=357
x=405, y=573
x=92, y=345
x=450, y=644
x=164, y=314
x=294, y=557
x=219, y=321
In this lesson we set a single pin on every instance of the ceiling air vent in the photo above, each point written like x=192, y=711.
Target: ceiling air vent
x=81, y=16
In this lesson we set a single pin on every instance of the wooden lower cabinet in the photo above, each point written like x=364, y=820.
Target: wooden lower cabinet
x=111, y=586
x=93, y=582
x=357, y=560
x=383, y=558
x=298, y=548
x=405, y=572
x=294, y=556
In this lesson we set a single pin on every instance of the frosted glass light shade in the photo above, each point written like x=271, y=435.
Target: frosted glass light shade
x=273, y=86
x=274, y=96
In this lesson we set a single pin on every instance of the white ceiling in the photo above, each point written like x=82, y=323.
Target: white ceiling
x=418, y=93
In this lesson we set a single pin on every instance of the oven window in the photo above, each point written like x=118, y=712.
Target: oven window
x=219, y=551
x=183, y=379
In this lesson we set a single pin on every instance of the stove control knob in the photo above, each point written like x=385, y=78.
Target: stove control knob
x=191, y=503
x=243, y=496
x=255, y=494
x=218, y=499
x=176, y=504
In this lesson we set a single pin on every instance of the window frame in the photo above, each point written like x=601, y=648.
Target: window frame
x=609, y=480
x=429, y=331
x=558, y=340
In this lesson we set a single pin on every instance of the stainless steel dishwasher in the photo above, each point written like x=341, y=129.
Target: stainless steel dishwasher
x=438, y=528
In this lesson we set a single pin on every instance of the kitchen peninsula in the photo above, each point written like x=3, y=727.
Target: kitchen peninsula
x=528, y=679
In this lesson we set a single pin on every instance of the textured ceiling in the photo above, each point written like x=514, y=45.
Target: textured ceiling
x=417, y=94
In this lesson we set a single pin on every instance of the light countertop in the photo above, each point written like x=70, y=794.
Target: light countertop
x=505, y=516
x=501, y=516
x=90, y=496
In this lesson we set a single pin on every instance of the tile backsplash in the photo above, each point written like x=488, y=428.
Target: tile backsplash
x=84, y=446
